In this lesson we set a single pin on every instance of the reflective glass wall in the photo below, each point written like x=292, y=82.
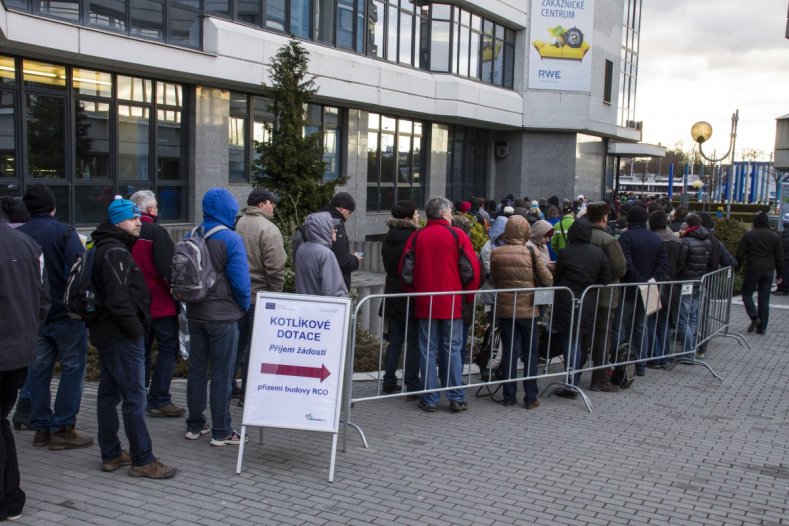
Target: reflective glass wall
x=251, y=123
x=628, y=67
x=431, y=36
x=90, y=135
x=395, y=163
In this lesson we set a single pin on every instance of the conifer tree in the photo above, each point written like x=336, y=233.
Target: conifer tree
x=291, y=163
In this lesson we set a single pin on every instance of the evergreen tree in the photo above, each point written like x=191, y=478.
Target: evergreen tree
x=291, y=163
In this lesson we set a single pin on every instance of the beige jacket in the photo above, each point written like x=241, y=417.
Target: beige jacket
x=511, y=267
x=265, y=251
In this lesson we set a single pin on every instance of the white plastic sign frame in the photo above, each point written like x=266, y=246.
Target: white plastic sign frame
x=296, y=365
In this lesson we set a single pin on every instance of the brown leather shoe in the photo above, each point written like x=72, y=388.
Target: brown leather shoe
x=152, y=470
x=169, y=410
x=532, y=405
x=68, y=438
x=41, y=439
x=124, y=459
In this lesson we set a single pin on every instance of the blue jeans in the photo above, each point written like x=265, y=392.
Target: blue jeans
x=663, y=335
x=687, y=323
x=212, y=345
x=165, y=331
x=634, y=321
x=761, y=282
x=123, y=380
x=397, y=337
x=519, y=340
x=65, y=340
x=245, y=325
x=440, y=340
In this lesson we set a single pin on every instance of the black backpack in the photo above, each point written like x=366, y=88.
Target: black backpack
x=80, y=298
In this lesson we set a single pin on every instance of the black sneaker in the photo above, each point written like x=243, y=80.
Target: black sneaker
x=390, y=389
x=754, y=324
x=458, y=406
x=427, y=408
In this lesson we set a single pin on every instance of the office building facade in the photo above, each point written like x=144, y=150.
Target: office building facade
x=415, y=98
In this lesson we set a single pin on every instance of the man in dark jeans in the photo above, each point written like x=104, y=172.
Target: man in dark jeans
x=153, y=253
x=761, y=251
x=118, y=332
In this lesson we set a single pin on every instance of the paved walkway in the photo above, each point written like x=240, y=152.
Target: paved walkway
x=677, y=448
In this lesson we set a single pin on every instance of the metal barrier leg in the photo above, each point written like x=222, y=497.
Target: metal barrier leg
x=691, y=360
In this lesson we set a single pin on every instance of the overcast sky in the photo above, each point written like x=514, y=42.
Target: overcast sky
x=703, y=59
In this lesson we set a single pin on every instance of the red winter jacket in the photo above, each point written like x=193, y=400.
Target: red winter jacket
x=153, y=253
x=436, y=270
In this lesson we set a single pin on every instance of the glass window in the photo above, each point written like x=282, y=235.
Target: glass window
x=171, y=201
x=147, y=19
x=184, y=27
x=91, y=202
x=331, y=142
x=43, y=75
x=441, y=12
x=473, y=55
x=345, y=23
x=169, y=94
x=7, y=135
x=391, y=35
x=93, y=83
x=107, y=14
x=62, y=9
x=248, y=11
x=406, y=36
x=61, y=202
x=487, y=53
x=135, y=89
x=237, y=138
x=46, y=137
x=262, y=123
x=217, y=7
x=168, y=145
x=7, y=70
x=439, y=46
x=192, y=4
x=275, y=14
x=300, y=18
x=463, y=39
x=134, y=126
x=393, y=161
x=92, y=142
x=361, y=19
x=19, y=4
x=324, y=21
x=375, y=29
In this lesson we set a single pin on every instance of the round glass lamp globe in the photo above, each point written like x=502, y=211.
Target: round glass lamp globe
x=701, y=132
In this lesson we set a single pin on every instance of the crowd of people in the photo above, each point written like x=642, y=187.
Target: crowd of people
x=574, y=245
x=530, y=243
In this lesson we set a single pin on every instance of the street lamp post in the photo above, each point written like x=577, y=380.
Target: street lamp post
x=701, y=133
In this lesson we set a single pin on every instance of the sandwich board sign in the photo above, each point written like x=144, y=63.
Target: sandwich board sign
x=296, y=365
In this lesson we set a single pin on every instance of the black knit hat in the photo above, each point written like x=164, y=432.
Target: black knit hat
x=39, y=199
x=637, y=214
x=258, y=195
x=343, y=200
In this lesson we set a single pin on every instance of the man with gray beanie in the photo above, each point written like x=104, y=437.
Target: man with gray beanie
x=118, y=332
x=341, y=207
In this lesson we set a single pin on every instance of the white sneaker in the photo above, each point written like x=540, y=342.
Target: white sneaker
x=189, y=435
x=233, y=439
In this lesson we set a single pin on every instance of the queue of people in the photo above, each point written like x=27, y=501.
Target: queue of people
x=531, y=243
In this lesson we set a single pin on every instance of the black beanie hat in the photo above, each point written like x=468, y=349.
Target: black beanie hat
x=39, y=199
x=343, y=200
x=637, y=214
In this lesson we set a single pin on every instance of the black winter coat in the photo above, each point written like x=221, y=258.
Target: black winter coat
x=391, y=251
x=342, y=251
x=761, y=251
x=578, y=266
x=703, y=254
x=119, y=282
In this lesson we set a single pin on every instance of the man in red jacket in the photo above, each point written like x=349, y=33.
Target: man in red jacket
x=153, y=253
x=436, y=256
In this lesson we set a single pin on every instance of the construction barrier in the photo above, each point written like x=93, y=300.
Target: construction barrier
x=610, y=332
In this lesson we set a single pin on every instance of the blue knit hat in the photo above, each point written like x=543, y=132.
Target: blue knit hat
x=122, y=209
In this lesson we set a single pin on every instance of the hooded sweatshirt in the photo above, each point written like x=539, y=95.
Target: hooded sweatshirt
x=539, y=230
x=230, y=297
x=317, y=270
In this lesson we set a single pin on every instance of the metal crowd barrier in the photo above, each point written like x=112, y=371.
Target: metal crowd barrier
x=647, y=327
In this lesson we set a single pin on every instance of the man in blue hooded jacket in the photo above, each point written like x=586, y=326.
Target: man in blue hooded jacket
x=213, y=323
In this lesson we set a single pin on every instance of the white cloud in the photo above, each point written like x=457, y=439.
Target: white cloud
x=702, y=60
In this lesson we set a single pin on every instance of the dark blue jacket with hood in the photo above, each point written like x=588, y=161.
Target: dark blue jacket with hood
x=231, y=295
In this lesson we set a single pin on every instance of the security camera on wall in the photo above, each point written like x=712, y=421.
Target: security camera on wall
x=502, y=149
